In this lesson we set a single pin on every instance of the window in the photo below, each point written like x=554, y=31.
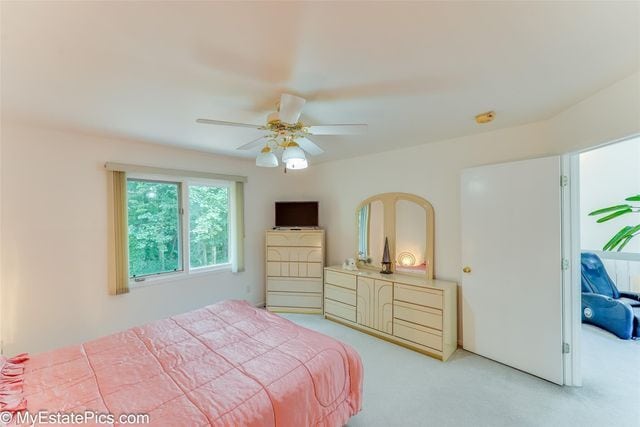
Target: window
x=169, y=223
x=153, y=214
x=208, y=225
x=164, y=217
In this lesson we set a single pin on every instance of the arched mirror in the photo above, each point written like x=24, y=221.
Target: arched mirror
x=370, y=231
x=407, y=221
x=411, y=244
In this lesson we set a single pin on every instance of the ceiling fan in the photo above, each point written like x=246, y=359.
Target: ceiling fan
x=284, y=131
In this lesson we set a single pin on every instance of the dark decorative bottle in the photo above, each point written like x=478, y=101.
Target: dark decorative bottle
x=386, y=259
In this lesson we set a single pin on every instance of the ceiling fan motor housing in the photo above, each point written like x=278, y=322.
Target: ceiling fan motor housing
x=273, y=117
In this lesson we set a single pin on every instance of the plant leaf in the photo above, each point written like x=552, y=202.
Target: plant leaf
x=609, y=209
x=630, y=234
x=615, y=215
x=635, y=198
x=624, y=236
x=616, y=239
x=626, y=240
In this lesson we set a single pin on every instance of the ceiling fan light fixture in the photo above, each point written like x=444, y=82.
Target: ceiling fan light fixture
x=266, y=159
x=281, y=131
x=297, y=163
x=293, y=152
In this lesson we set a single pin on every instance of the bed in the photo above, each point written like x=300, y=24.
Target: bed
x=227, y=364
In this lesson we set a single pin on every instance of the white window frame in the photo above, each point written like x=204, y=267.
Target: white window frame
x=185, y=248
x=187, y=255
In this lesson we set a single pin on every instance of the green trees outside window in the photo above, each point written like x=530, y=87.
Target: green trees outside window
x=155, y=226
x=208, y=225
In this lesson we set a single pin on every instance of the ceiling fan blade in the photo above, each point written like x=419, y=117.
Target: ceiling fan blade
x=220, y=122
x=354, y=129
x=253, y=144
x=290, y=108
x=309, y=146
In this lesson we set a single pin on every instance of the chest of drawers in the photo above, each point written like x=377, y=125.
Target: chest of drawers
x=408, y=310
x=294, y=270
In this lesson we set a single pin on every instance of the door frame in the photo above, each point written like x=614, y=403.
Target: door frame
x=571, y=291
x=571, y=248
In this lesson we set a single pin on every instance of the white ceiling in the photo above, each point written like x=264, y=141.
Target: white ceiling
x=415, y=72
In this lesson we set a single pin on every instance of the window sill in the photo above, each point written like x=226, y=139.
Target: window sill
x=176, y=277
x=204, y=270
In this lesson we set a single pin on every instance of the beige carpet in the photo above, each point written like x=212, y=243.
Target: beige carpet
x=405, y=388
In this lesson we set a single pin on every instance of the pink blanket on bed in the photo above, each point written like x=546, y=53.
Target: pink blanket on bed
x=226, y=364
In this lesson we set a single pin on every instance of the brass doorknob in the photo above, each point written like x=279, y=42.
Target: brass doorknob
x=467, y=270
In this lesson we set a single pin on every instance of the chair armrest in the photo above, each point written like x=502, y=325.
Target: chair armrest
x=630, y=295
x=607, y=313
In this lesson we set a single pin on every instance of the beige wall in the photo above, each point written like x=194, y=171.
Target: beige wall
x=56, y=238
x=430, y=171
x=54, y=230
x=433, y=170
x=610, y=114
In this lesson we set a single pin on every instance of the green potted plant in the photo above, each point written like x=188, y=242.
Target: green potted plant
x=626, y=233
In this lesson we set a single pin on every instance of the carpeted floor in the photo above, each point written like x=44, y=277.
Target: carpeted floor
x=405, y=388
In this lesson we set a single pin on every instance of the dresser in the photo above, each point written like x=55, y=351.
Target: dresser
x=294, y=270
x=412, y=311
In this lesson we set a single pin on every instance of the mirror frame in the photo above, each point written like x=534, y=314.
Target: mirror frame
x=389, y=208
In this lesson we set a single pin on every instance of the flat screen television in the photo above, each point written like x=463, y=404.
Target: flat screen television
x=296, y=214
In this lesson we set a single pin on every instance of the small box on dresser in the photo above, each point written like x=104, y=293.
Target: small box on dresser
x=294, y=270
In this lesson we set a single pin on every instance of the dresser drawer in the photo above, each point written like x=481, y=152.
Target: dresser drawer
x=294, y=299
x=425, y=316
x=294, y=239
x=277, y=269
x=416, y=295
x=294, y=285
x=294, y=254
x=310, y=269
x=340, y=279
x=417, y=334
x=294, y=269
x=339, y=309
x=343, y=295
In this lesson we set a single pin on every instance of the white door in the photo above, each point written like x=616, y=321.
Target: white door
x=512, y=249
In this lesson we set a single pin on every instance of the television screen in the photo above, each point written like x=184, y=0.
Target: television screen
x=296, y=214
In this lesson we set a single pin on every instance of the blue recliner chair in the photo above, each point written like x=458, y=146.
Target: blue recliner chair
x=603, y=305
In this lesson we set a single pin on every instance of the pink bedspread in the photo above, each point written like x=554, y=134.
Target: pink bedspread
x=227, y=364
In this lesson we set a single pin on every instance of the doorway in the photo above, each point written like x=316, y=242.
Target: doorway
x=607, y=352
x=544, y=335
